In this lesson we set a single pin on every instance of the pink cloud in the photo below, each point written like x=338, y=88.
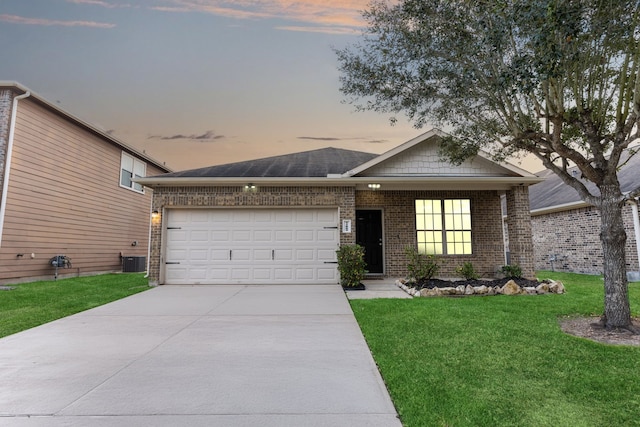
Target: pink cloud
x=14, y=19
x=99, y=3
x=332, y=16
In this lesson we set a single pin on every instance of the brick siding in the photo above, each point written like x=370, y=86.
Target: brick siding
x=192, y=197
x=573, y=238
x=398, y=216
x=519, y=224
x=400, y=229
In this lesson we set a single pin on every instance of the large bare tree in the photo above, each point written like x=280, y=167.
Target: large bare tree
x=558, y=79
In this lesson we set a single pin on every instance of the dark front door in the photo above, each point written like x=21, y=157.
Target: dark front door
x=369, y=236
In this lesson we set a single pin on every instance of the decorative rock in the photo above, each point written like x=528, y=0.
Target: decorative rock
x=469, y=290
x=430, y=292
x=510, y=288
x=491, y=291
x=460, y=290
x=448, y=291
x=481, y=290
x=531, y=290
x=542, y=288
x=497, y=290
x=556, y=287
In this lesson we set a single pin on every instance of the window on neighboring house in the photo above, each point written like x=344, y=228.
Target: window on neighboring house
x=444, y=226
x=131, y=168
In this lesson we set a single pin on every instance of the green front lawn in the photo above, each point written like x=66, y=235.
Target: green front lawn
x=502, y=360
x=32, y=304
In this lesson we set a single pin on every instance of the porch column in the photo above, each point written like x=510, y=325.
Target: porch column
x=519, y=227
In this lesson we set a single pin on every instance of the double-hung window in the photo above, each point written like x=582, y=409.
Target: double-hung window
x=444, y=226
x=131, y=168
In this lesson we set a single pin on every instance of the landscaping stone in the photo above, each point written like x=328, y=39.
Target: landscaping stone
x=511, y=287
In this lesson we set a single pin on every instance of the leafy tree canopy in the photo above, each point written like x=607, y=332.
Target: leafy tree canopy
x=555, y=78
x=558, y=79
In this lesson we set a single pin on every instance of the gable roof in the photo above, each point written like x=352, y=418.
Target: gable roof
x=17, y=87
x=314, y=163
x=554, y=195
x=421, y=156
x=338, y=167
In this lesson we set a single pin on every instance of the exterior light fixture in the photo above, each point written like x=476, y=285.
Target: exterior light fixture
x=250, y=188
x=374, y=186
x=155, y=214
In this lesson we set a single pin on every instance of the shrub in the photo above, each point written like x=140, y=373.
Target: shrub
x=351, y=265
x=467, y=271
x=421, y=267
x=512, y=271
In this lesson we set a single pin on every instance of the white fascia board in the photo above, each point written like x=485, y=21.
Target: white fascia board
x=560, y=208
x=387, y=183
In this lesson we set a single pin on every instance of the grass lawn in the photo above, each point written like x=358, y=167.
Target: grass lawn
x=502, y=360
x=32, y=304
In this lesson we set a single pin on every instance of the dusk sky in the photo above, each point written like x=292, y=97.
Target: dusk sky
x=197, y=82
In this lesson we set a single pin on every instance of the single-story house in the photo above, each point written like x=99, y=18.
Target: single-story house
x=281, y=219
x=566, y=230
x=67, y=190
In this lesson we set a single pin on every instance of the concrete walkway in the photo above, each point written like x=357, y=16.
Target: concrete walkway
x=198, y=356
x=380, y=288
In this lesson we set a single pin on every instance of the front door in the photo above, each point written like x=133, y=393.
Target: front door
x=369, y=236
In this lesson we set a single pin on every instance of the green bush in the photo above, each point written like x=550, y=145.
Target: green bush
x=351, y=265
x=421, y=267
x=512, y=271
x=467, y=271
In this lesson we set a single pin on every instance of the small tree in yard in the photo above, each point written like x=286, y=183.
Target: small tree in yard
x=558, y=79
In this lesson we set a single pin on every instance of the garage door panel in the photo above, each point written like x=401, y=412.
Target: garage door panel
x=327, y=273
x=262, y=236
x=245, y=246
x=326, y=255
x=283, y=255
x=262, y=255
x=284, y=236
x=199, y=255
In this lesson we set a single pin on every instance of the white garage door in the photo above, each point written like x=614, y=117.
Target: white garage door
x=251, y=246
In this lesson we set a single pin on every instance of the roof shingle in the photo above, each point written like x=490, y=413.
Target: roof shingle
x=314, y=163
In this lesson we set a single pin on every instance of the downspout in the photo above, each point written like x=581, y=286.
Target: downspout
x=7, y=164
x=146, y=276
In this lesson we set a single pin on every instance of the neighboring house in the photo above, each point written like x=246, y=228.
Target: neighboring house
x=566, y=230
x=281, y=219
x=66, y=189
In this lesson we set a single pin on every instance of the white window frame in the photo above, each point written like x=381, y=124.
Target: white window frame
x=452, y=217
x=136, y=168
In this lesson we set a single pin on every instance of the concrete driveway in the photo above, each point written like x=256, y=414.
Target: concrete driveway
x=198, y=356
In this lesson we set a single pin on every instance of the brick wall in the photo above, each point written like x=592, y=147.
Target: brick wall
x=573, y=238
x=400, y=222
x=168, y=197
x=398, y=215
x=519, y=230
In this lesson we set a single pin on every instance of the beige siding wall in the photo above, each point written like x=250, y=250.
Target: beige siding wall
x=64, y=198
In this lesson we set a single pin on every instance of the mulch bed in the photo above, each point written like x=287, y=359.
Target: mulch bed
x=439, y=283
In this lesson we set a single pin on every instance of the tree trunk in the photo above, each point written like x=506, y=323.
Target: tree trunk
x=617, y=313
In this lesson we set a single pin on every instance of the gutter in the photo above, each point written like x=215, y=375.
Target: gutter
x=400, y=182
x=7, y=164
